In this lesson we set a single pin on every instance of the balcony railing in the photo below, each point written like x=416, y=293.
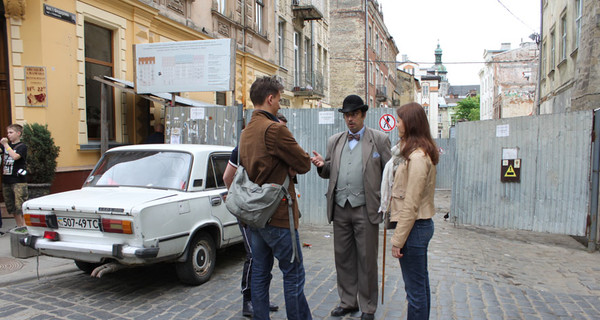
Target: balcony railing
x=308, y=9
x=381, y=93
x=314, y=91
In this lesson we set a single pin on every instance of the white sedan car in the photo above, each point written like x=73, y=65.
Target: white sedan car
x=140, y=205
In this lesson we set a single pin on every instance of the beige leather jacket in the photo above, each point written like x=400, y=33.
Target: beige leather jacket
x=412, y=194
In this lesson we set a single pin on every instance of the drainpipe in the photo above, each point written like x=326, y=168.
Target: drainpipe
x=595, y=177
x=367, y=52
x=539, y=79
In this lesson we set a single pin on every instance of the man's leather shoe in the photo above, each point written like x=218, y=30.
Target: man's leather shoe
x=273, y=307
x=339, y=311
x=367, y=316
x=247, y=309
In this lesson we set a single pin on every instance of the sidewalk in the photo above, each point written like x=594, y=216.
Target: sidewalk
x=17, y=270
x=475, y=273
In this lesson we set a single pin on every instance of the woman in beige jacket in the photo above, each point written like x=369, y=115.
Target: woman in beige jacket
x=412, y=205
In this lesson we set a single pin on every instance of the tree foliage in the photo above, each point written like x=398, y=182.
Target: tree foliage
x=41, y=153
x=467, y=109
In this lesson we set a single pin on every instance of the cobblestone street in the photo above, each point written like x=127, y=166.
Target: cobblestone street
x=476, y=273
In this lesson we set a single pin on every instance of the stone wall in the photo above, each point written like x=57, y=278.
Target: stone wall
x=586, y=94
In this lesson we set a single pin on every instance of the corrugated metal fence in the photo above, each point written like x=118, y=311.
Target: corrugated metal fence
x=312, y=134
x=201, y=125
x=445, y=167
x=553, y=194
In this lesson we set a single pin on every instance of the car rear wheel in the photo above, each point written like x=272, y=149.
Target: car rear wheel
x=86, y=267
x=200, y=262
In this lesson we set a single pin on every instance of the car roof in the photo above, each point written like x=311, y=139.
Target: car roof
x=193, y=148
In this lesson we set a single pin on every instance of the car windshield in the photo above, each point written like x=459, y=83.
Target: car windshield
x=154, y=169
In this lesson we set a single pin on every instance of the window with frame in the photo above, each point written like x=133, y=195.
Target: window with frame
x=563, y=37
x=214, y=173
x=258, y=16
x=280, y=39
x=221, y=6
x=552, y=50
x=426, y=91
x=369, y=35
x=544, y=58
x=296, y=59
x=370, y=73
x=99, y=61
x=319, y=62
x=376, y=42
x=578, y=15
x=325, y=68
x=308, y=60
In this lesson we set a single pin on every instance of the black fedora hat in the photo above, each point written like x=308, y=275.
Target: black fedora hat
x=352, y=103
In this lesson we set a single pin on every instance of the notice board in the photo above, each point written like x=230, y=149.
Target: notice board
x=185, y=66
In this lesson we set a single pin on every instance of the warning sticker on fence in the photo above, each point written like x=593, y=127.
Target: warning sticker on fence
x=387, y=122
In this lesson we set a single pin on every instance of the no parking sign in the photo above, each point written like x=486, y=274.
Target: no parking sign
x=387, y=122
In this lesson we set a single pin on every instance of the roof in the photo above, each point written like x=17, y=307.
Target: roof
x=462, y=90
x=160, y=97
x=194, y=148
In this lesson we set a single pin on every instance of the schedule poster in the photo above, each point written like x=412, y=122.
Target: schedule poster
x=185, y=66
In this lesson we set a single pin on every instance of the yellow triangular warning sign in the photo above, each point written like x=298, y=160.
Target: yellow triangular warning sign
x=510, y=172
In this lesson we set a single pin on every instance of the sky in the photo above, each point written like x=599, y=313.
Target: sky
x=465, y=28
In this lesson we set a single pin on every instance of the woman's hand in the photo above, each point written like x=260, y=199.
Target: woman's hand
x=396, y=252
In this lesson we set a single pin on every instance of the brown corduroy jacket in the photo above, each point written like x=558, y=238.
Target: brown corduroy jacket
x=268, y=150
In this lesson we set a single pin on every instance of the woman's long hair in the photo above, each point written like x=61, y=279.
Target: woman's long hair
x=416, y=132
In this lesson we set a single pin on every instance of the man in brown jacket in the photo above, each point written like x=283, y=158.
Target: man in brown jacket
x=270, y=153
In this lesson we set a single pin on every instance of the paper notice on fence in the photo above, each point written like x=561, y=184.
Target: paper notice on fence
x=502, y=130
x=197, y=113
x=326, y=117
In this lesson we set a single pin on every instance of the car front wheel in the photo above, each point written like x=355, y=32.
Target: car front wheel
x=200, y=262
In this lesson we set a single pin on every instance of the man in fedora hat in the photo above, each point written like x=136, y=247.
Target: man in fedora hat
x=354, y=166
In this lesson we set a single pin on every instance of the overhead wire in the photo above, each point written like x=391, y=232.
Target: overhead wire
x=516, y=17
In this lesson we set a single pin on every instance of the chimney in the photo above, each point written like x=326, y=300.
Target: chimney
x=505, y=46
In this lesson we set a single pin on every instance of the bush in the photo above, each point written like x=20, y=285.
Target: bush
x=41, y=153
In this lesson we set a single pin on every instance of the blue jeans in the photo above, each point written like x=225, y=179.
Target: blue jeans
x=267, y=243
x=414, y=270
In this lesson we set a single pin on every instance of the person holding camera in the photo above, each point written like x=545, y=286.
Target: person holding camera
x=14, y=170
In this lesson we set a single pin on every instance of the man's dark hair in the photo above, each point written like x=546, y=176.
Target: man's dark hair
x=263, y=87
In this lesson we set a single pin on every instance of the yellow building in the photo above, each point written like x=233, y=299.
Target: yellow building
x=52, y=49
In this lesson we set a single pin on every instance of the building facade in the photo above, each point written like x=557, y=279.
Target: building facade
x=508, y=81
x=569, y=56
x=52, y=50
x=407, y=87
x=302, y=52
x=363, y=53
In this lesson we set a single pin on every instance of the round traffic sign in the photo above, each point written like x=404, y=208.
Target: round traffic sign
x=387, y=122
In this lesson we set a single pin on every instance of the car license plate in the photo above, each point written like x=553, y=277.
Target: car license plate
x=79, y=223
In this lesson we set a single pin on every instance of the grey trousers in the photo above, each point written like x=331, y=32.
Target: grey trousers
x=356, y=243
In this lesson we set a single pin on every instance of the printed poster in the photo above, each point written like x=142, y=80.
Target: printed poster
x=35, y=87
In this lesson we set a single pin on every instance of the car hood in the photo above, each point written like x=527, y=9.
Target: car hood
x=116, y=200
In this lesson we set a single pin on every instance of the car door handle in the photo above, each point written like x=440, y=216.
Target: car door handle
x=215, y=201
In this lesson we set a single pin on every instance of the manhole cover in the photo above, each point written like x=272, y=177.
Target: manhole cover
x=8, y=265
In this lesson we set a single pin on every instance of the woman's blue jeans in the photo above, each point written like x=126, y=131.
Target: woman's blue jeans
x=414, y=270
x=267, y=243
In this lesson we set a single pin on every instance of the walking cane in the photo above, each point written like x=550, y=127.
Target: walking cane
x=383, y=264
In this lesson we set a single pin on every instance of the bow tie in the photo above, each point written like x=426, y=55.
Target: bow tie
x=353, y=137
